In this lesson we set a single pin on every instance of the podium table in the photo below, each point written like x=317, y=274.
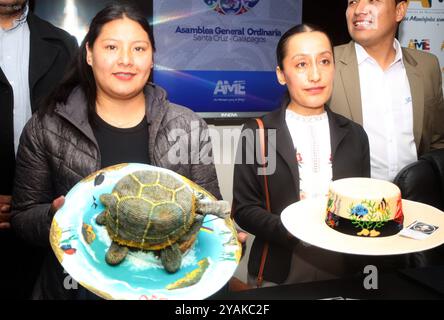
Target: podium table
x=424, y=283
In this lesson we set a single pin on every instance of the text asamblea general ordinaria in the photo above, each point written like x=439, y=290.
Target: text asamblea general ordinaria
x=218, y=30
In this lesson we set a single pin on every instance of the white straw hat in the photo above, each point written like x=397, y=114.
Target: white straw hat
x=306, y=220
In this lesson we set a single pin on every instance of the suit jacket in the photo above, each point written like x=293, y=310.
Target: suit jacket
x=425, y=79
x=51, y=50
x=350, y=158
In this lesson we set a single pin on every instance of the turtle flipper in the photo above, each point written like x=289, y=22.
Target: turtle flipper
x=101, y=218
x=116, y=254
x=171, y=258
x=218, y=208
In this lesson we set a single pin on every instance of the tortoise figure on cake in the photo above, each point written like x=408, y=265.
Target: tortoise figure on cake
x=156, y=210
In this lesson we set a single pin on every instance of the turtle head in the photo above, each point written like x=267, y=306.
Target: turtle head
x=199, y=196
x=219, y=208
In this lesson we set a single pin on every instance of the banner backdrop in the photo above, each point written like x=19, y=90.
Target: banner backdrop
x=219, y=55
x=423, y=28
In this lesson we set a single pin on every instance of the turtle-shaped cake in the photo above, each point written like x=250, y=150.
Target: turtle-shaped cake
x=156, y=210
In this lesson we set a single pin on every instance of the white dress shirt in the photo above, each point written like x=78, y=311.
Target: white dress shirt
x=387, y=113
x=14, y=62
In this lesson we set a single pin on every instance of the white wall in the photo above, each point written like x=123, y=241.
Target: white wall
x=225, y=139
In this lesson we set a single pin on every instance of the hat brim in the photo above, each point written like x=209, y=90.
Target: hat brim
x=305, y=219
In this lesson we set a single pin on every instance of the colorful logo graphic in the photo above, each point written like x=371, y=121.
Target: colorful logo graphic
x=423, y=44
x=225, y=88
x=425, y=3
x=231, y=7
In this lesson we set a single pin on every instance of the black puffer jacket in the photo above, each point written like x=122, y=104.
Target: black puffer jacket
x=58, y=150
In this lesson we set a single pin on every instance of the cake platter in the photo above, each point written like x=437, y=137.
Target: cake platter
x=305, y=219
x=80, y=245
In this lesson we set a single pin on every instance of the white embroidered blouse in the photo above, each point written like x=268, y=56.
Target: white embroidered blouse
x=311, y=140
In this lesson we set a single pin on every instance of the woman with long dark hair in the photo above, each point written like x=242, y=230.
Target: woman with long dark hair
x=308, y=147
x=105, y=112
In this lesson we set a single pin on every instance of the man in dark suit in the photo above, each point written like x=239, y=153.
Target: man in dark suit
x=33, y=57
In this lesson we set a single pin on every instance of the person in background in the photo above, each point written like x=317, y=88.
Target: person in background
x=33, y=57
x=395, y=93
x=313, y=146
x=105, y=112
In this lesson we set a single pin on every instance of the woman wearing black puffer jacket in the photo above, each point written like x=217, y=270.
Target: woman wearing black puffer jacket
x=104, y=113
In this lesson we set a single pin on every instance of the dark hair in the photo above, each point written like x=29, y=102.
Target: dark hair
x=281, y=49
x=80, y=72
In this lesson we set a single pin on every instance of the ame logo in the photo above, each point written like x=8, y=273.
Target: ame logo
x=423, y=44
x=224, y=87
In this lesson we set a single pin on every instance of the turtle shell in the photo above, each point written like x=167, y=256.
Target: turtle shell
x=152, y=210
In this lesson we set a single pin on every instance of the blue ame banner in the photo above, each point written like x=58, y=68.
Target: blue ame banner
x=218, y=56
